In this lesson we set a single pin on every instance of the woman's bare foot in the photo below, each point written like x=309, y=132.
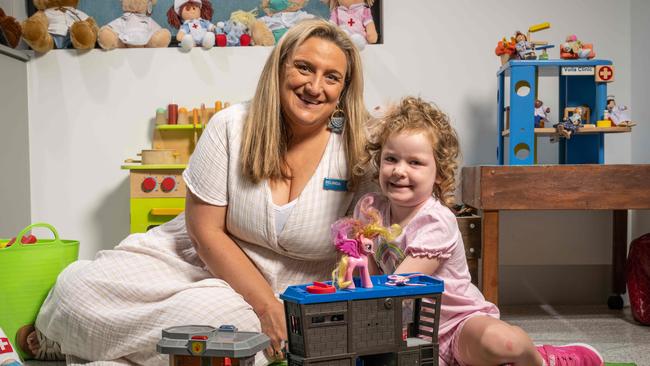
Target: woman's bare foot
x=27, y=340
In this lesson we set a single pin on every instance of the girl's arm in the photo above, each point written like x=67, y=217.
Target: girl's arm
x=424, y=265
x=206, y=226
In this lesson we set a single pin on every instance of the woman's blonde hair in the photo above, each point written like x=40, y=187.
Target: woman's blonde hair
x=265, y=136
x=416, y=115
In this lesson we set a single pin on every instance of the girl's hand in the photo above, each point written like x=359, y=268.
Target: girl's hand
x=273, y=323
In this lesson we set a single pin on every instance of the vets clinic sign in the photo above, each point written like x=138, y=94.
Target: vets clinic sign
x=578, y=70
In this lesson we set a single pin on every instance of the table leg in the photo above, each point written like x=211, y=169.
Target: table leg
x=619, y=256
x=490, y=253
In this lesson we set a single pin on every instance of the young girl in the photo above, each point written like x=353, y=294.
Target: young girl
x=414, y=150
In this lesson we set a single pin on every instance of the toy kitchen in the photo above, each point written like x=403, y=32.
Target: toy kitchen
x=156, y=187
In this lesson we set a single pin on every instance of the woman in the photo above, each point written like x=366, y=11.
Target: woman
x=264, y=184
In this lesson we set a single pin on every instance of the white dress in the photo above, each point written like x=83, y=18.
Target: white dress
x=114, y=307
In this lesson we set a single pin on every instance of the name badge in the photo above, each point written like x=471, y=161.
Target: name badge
x=333, y=184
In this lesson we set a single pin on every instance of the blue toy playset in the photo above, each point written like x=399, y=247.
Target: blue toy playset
x=582, y=86
x=394, y=322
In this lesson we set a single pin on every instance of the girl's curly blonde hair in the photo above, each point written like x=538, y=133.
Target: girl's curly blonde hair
x=413, y=114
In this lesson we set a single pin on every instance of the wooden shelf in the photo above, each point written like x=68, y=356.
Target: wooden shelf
x=179, y=127
x=581, y=130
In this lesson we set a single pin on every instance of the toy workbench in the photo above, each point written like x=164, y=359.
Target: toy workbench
x=393, y=323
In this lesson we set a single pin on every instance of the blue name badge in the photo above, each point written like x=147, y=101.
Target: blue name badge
x=333, y=184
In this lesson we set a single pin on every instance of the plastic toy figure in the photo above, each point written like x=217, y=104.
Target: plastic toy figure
x=192, y=18
x=356, y=241
x=525, y=49
x=619, y=115
x=541, y=112
x=355, y=18
x=573, y=48
x=569, y=126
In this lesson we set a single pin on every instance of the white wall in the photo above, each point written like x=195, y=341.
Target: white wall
x=90, y=111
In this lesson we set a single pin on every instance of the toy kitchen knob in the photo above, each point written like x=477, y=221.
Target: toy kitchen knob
x=168, y=184
x=148, y=184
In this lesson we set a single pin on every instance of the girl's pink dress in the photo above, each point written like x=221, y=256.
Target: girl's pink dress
x=433, y=232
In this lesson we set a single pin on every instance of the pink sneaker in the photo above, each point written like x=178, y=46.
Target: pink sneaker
x=576, y=354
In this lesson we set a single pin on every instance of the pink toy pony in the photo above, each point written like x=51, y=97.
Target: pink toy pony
x=356, y=242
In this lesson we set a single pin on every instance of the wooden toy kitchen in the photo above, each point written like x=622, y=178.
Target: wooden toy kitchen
x=156, y=187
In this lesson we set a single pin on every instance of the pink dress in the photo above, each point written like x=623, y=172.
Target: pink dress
x=433, y=232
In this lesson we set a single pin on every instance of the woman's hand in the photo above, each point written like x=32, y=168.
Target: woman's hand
x=274, y=326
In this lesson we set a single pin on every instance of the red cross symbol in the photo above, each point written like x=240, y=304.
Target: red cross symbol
x=604, y=73
x=195, y=25
x=351, y=22
x=5, y=346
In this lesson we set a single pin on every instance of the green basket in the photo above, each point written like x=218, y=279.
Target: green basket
x=29, y=272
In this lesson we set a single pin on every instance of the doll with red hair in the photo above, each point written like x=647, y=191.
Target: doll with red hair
x=192, y=18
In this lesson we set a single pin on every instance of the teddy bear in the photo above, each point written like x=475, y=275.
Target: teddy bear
x=10, y=30
x=135, y=28
x=57, y=23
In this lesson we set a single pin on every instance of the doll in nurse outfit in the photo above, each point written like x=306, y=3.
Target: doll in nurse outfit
x=355, y=18
x=192, y=19
x=414, y=152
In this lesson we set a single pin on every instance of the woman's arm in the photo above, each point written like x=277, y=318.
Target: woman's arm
x=418, y=264
x=206, y=226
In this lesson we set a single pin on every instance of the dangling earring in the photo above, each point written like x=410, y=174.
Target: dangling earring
x=337, y=120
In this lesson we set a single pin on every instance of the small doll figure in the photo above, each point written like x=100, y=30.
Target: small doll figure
x=573, y=48
x=525, y=49
x=355, y=18
x=192, y=19
x=541, y=112
x=354, y=238
x=567, y=128
x=619, y=115
x=283, y=14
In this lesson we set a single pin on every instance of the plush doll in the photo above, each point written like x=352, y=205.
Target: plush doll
x=354, y=17
x=283, y=14
x=235, y=32
x=57, y=23
x=10, y=30
x=193, y=19
x=260, y=34
x=135, y=28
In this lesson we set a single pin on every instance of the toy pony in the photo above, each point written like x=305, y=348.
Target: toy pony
x=355, y=241
x=192, y=18
x=355, y=18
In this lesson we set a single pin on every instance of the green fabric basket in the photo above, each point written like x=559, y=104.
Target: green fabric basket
x=28, y=273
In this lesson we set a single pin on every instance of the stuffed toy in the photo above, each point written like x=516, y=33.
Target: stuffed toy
x=10, y=30
x=355, y=18
x=135, y=28
x=260, y=34
x=193, y=19
x=283, y=14
x=235, y=32
x=57, y=23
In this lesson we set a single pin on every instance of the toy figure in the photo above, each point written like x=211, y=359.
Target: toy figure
x=541, y=114
x=355, y=18
x=58, y=23
x=572, y=48
x=525, y=50
x=568, y=127
x=10, y=30
x=619, y=115
x=283, y=14
x=355, y=241
x=135, y=28
x=192, y=19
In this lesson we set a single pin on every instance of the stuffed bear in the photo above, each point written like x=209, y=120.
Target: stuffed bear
x=10, y=30
x=135, y=28
x=56, y=24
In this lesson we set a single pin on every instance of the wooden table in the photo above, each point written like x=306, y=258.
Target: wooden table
x=567, y=187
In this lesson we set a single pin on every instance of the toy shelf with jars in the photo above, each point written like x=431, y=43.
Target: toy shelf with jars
x=581, y=83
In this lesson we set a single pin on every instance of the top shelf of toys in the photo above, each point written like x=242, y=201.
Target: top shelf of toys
x=586, y=111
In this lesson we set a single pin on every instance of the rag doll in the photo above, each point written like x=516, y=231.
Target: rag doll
x=355, y=18
x=192, y=18
x=260, y=34
x=58, y=23
x=283, y=14
x=135, y=28
x=10, y=30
